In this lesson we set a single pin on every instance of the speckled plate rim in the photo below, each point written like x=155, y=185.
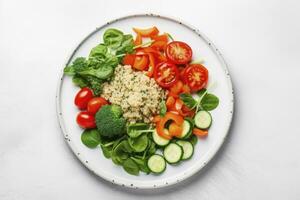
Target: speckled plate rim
x=159, y=184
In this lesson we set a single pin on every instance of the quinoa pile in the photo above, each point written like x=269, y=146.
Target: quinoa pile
x=138, y=95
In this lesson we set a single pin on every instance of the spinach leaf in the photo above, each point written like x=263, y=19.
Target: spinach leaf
x=90, y=138
x=135, y=130
x=151, y=148
x=131, y=167
x=113, y=38
x=121, y=152
x=107, y=151
x=163, y=108
x=142, y=163
x=126, y=46
x=138, y=144
x=209, y=102
x=99, y=51
x=188, y=100
x=102, y=72
x=201, y=92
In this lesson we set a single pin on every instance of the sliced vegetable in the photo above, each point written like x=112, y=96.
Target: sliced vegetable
x=199, y=132
x=160, y=141
x=156, y=163
x=187, y=147
x=173, y=153
x=141, y=62
x=195, y=76
x=203, y=119
x=175, y=130
x=129, y=59
x=161, y=124
x=179, y=52
x=146, y=32
x=186, y=129
x=166, y=74
x=138, y=40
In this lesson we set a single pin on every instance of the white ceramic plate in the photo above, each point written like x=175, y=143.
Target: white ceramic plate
x=204, y=150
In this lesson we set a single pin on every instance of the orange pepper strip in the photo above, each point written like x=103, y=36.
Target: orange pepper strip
x=138, y=40
x=150, y=71
x=160, y=45
x=141, y=62
x=161, y=124
x=128, y=59
x=175, y=130
x=170, y=102
x=178, y=104
x=164, y=37
x=199, y=132
x=176, y=89
x=186, y=89
x=147, y=32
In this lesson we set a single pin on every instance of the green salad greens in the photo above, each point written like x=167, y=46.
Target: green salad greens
x=99, y=66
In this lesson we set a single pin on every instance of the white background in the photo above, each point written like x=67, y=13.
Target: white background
x=260, y=41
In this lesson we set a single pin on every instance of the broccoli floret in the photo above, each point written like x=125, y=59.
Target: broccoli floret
x=110, y=122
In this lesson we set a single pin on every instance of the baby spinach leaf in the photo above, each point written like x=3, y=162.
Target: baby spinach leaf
x=151, y=148
x=113, y=38
x=142, y=163
x=209, y=102
x=135, y=130
x=121, y=152
x=107, y=151
x=138, y=144
x=163, y=108
x=188, y=100
x=131, y=167
x=99, y=51
x=90, y=138
x=201, y=92
x=126, y=46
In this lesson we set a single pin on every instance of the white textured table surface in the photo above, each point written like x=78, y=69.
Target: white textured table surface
x=259, y=39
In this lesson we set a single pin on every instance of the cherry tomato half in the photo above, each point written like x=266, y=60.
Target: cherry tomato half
x=179, y=52
x=166, y=74
x=95, y=104
x=86, y=120
x=82, y=98
x=195, y=76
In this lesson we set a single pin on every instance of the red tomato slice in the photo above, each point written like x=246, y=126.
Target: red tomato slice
x=179, y=52
x=86, y=120
x=95, y=104
x=195, y=76
x=166, y=74
x=141, y=62
x=82, y=98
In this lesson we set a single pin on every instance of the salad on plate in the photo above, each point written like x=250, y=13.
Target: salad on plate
x=143, y=100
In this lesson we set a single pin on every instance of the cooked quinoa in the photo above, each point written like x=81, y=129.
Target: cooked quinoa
x=138, y=95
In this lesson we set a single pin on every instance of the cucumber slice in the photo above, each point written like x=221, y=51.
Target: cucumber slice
x=187, y=129
x=173, y=153
x=188, y=149
x=160, y=141
x=203, y=119
x=156, y=163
